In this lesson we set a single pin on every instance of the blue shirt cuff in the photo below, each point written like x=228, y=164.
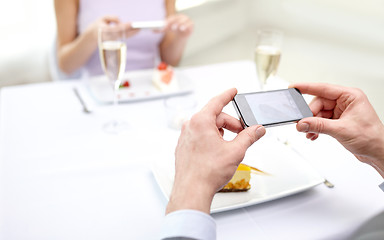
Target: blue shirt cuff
x=382, y=186
x=189, y=224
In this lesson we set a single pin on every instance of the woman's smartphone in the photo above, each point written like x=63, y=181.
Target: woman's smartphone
x=271, y=108
x=148, y=24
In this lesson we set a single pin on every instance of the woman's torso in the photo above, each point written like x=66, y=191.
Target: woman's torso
x=142, y=48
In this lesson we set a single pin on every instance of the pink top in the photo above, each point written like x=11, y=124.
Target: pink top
x=142, y=48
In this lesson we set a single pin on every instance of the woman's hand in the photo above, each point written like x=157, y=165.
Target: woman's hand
x=112, y=22
x=129, y=31
x=101, y=23
x=181, y=25
x=177, y=30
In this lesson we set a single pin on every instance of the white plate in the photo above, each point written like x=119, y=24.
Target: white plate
x=141, y=87
x=290, y=174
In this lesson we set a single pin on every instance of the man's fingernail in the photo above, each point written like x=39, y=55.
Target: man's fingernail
x=303, y=127
x=260, y=131
x=174, y=27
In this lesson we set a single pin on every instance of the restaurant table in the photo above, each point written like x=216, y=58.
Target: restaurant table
x=63, y=177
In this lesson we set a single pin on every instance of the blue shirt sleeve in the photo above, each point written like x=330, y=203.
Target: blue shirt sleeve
x=188, y=224
x=382, y=186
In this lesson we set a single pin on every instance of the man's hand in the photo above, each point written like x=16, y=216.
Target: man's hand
x=205, y=162
x=347, y=115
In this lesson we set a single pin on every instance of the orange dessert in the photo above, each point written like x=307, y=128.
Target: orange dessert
x=239, y=181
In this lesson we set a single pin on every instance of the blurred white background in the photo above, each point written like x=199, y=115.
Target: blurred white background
x=27, y=32
x=325, y=40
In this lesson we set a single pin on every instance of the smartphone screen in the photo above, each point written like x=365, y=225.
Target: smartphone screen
x=271, y=107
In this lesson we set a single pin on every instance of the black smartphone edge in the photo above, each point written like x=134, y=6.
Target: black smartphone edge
x=239, y=113
x=243, y=122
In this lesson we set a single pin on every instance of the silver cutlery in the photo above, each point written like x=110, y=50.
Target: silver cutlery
x=326, y=182
x=85, y=108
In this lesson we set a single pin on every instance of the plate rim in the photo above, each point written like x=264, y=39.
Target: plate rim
x=188, y=89
x=317, y=180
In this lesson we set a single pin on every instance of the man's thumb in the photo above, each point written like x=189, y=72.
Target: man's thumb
x=317, y=125
x=248, y=136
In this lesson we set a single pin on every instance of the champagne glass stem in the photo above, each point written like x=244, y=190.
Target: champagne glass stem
x=116, y=85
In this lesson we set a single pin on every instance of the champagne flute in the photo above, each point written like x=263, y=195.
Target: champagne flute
x=113, y=51
x=267, y=54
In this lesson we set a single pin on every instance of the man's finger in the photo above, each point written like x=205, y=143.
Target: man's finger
x=248, y=136
x=319, y=104
x=228, y=122
x=312, y=136
x=323, y=90
x=318, y=125
x=325, y=114
x=216, y=104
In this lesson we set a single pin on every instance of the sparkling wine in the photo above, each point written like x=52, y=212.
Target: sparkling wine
x=113, y=58
x=267, y=60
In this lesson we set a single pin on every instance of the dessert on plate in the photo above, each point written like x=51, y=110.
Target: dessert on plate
x=125, y=84
x=164, y=78
x=239, y=181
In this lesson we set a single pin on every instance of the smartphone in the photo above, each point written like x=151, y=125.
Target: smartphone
x=271, y=108
x=148, y=25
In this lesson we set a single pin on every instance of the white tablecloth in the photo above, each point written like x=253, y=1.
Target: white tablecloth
x=62, y=177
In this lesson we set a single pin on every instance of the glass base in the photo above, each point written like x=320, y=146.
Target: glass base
x=115, y=127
